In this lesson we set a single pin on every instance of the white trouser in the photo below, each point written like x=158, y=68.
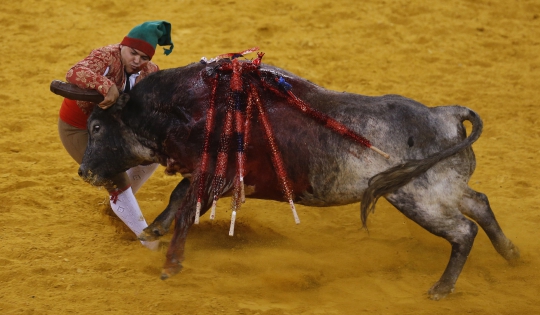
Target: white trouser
x=126, y=207
x=138, y=175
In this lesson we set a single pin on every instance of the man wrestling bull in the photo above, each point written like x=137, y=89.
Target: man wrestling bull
x=110, y=70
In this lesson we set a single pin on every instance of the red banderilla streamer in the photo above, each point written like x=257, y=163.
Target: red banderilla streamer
x=236, y=87
x=276, y=155
x=222, y=159
x=326, y=120
x=208, y=128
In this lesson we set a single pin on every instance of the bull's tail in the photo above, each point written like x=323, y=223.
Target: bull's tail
x=398, y=176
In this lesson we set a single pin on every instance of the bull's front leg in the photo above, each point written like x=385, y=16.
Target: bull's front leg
x=184, y=219
x=162, y=223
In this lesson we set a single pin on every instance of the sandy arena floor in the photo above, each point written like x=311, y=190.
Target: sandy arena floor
x=60, y=253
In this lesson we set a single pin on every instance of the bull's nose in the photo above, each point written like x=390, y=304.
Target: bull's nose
x=82, y=171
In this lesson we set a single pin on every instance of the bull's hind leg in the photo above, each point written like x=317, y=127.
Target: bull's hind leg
x=438, y=216
x=476, y=206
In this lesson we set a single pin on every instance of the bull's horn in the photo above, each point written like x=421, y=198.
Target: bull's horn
x=74, y=92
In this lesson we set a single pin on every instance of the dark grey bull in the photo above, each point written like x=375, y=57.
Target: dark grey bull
x=426, y=178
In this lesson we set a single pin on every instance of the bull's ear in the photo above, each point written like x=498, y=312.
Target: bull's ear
x=122, y=100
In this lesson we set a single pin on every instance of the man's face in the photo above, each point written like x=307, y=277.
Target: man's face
x=133, y=59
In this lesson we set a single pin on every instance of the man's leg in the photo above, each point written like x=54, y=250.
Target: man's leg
x=138, y=175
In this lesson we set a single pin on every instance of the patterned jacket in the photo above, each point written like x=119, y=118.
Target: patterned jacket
x=100, y=70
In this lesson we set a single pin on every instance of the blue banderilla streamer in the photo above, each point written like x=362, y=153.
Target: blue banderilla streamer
x=283, y=84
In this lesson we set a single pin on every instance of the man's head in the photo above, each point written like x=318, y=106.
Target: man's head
x=133, y=59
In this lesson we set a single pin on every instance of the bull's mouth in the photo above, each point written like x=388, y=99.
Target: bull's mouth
x=94, y=179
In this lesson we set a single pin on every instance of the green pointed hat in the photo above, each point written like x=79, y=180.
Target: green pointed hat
x=146, y=36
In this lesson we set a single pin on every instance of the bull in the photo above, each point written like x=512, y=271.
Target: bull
x=426, y=178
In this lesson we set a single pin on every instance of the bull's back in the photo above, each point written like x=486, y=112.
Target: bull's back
x=339, y=169
x=323, y=167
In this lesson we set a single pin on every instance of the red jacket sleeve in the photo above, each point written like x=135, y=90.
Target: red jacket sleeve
x=88, y=73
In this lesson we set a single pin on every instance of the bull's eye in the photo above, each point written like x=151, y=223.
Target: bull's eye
x=96, y=128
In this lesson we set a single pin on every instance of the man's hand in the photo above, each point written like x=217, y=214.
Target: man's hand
x=110, y=98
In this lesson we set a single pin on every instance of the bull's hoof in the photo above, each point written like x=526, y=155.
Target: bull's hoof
x=152, y=232
x=440, y=290
x=170, y=269
x=512, y=254
x=147, y=237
